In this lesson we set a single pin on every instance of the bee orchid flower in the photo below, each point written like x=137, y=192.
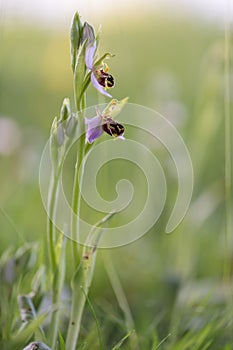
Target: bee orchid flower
x=100, y=77
x=99, y=124
x=104, y=122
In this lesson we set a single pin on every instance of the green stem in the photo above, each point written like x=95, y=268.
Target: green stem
x=51, y=229
x=76, y=196
x=228, y=150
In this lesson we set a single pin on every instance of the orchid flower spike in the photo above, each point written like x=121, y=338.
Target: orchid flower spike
x=100, y=77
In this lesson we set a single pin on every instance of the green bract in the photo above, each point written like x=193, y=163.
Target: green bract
x=79, y=73
x=75, y=38
x=65, y=110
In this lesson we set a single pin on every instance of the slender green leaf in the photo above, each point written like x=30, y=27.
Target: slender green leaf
x=58, y=283
x=162, y=341
x=118, y=345
x=96, y=320
x=22, y=337
x=62, y=342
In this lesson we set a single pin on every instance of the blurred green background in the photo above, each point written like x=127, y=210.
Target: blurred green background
x=175, y=65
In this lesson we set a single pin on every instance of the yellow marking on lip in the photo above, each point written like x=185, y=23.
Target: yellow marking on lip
x=106, y=68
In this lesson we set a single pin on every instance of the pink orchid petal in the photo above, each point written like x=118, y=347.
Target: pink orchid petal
x=94, y=128
x=89, y=57
x=121, y=137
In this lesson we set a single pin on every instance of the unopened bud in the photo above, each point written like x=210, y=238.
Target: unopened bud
x=71, y=126
x=65, y=110
x=75, y=38
x=60, y=134
x=88, y=34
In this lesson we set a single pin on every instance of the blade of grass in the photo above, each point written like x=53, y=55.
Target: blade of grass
x=162, y=341
x=12, y=224
x=96, y=320
x=228, y=147
x=59, y=277
x=118, y=345
x=27, y=333
x=121, y=298
x=61, y=342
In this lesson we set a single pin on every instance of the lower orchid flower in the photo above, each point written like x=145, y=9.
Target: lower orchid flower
x=103, y=122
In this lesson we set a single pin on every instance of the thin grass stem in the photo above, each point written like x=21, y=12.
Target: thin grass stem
x=228, y=148
x=59, y=277
x=122, y=300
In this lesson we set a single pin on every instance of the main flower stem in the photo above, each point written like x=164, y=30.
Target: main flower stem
x=78, y=297
x=76, y=196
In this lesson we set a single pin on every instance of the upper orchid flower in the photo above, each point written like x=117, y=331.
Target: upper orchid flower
x=100, y=77
x=103, y=122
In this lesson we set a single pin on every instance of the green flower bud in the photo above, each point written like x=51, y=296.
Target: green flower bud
x=60, y=134
x=71, y=126
x=65, y=110
x=75, y=38
x=57, y=134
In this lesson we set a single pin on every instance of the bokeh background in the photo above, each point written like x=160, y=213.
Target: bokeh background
x=169, y=56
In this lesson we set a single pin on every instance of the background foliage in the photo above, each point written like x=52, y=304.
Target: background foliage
x=175, y=284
